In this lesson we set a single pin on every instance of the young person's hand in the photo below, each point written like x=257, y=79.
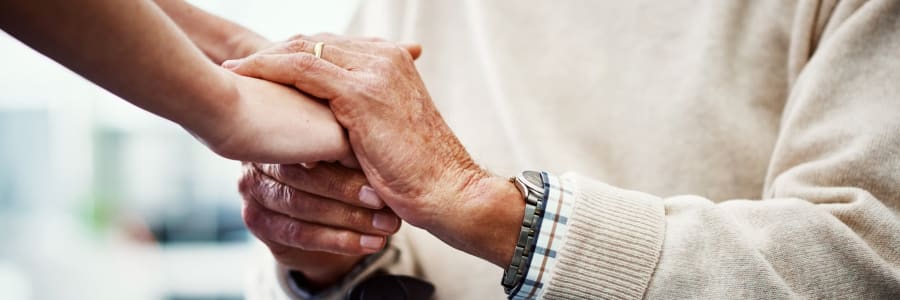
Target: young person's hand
x=272, y=123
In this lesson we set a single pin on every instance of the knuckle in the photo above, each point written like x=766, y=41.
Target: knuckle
x=340, y=186
x=389, y=50
x=382, y=65
x=281, y=197
x=295, y=233
x=298, y=45
x=358, y=218
x=273, y=194
x=345, y=242
x=396, y=53
x=272, y=170
x=283, y=173
x=303, y=62
x=248, y=181
x=252, y=219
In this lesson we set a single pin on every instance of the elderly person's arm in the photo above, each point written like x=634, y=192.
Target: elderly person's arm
x=826, y=225
x=133, y=50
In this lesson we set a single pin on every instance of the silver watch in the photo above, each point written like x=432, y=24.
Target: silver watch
x=531, y=185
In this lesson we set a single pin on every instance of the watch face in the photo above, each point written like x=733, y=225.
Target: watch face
x=533, y=180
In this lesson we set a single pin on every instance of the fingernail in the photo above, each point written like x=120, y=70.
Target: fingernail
x=385, y=222
x=309, y=165
x=231, y=64
x=367, y=195
x=371, y=242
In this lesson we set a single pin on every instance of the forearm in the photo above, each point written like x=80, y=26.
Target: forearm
x=218, y=38
x=128, y=47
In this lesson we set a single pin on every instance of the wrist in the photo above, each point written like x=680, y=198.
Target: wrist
x=208, y=116
x=488, y=222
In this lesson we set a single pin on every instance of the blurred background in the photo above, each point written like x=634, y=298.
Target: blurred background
x=100, y=200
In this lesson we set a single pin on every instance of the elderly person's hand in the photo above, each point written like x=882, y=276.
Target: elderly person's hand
x=318, y=221
x=408, y=153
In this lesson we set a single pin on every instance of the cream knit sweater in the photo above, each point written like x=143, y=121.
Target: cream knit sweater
x=723, y=149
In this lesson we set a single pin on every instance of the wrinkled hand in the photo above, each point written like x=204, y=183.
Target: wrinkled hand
x=318, y=221
x=408, y=153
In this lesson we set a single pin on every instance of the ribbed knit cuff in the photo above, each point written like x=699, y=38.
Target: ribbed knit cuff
x=613, y=245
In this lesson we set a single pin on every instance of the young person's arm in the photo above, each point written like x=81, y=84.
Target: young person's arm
x=134, y=50
x=218, y=38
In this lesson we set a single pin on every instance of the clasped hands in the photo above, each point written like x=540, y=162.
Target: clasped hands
x=406, y=163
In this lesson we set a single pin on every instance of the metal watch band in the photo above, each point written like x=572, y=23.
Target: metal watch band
x=531, y=185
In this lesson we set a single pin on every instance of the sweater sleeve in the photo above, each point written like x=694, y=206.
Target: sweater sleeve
x=827, y=224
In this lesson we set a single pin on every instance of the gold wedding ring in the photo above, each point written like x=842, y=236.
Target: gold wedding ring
x=317, y=50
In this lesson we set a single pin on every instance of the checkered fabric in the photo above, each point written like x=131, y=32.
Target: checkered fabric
x=554, y=224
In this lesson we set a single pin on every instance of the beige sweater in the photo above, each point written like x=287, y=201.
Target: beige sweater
x=722, y=149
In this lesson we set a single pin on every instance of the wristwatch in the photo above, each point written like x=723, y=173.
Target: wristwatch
x=531, y=185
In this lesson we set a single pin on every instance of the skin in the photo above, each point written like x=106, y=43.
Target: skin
x=134, y=50
x=322, y=249
x=408, y=153
x=311, y=222
x=328, y=221
x=218, y=38
x=120, y=45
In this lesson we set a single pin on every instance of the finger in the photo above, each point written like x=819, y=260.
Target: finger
x=414, y=49
x=271, y=226
x=331, y=52
x=306, y=43
x=341, y=51
x=300, y=205
x=367, y=45
x=312, y=75
x=361, y=44
x=327, y=180
x=314, y=262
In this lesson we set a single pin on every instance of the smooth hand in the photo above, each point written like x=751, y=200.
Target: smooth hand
x=318, y=221
x=271, y=123
x=408, y=153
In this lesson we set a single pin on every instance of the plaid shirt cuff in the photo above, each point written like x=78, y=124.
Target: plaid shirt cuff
x=558, y=201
